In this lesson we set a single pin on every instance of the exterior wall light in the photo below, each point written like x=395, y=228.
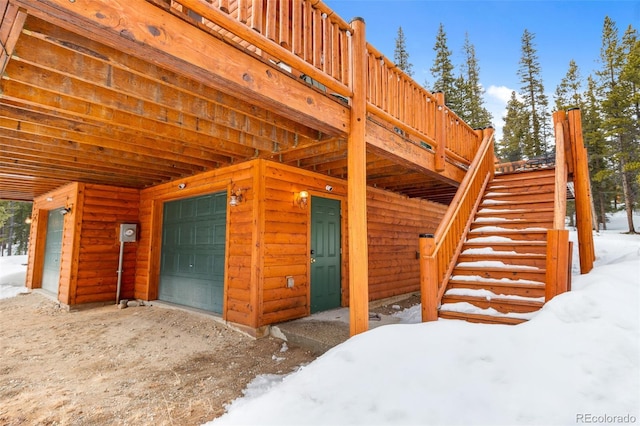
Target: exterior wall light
x=236, y=196
x=302, y=199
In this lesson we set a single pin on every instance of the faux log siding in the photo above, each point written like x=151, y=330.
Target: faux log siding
x=394, y=224
x=61, y=197
x=105, y=208
x=286, y=240
x=240, y=225
x=239, y=275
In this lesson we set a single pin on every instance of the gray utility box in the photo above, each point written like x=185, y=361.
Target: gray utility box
x=128, y=232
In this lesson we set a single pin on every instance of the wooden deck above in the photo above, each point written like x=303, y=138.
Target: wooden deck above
x=137, y=93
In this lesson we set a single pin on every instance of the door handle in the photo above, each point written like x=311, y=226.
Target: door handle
x=313, y=260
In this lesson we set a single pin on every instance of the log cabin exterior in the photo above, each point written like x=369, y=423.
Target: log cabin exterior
x=274, y=163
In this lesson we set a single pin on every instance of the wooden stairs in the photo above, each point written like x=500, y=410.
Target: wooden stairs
x=499, y=276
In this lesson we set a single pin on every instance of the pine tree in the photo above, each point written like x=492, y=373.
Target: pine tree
x=442, y=69
x=569, y=91
x=14, y=232
x=534, y=99
x=472, y=109
x=516, y=128
x=600, y=166
x=455, y=97
x=400, y=54
x=631, y=77
x=617, y=91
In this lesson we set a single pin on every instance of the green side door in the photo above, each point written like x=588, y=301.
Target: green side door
x=53, y=252
x=193, y=250
x=325, y=254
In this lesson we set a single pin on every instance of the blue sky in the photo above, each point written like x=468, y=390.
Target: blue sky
x=564, y=30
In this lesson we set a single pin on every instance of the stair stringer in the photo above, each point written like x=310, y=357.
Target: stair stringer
x=458, y=249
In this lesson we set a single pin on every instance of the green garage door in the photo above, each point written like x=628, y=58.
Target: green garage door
x=52, y=252
x=193, y=244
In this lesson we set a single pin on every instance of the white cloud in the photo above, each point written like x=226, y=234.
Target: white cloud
x=496, y=100
x=502, y=93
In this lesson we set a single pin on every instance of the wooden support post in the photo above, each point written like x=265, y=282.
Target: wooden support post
x=428, y=279
x=558, y=266
x=560, y=192
x=441, y=132
x=583, y=193
x=357, y=185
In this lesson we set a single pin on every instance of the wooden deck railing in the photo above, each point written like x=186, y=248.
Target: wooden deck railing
x=395, y=97
x=304, y=35
x=439, y=251
x=308, y=39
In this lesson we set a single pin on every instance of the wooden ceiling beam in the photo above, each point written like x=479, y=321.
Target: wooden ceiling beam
x=146, y=31
x=72, y=95
x=151, y=93
x=34, y=129
x=389, y=145
x=64, y=175
x=51, y=150
x=153, y=131
x=123, y=174
x=294, y=155
x=161, y=76
x=312, y=162
x=87, y=132
x=11, y=24
x=333, y=167
x=23, y=188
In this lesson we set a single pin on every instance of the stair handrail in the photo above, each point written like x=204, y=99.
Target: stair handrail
x=439, y=251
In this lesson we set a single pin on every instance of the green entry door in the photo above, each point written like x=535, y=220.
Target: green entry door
x=52, y=252
x=193, y=245
x=325, y=254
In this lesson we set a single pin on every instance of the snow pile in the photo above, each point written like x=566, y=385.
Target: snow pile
x=13, y=270
x=576, y=362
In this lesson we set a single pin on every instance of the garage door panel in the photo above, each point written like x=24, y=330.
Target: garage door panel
x=203, y=233
x=193, y=252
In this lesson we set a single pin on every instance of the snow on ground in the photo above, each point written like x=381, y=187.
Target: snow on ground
x=13, y=271
x=576, y=362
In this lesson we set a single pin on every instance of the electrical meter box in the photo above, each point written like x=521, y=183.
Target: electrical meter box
x=128, y=232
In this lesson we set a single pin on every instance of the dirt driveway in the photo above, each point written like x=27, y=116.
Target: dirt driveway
x=145, y=365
